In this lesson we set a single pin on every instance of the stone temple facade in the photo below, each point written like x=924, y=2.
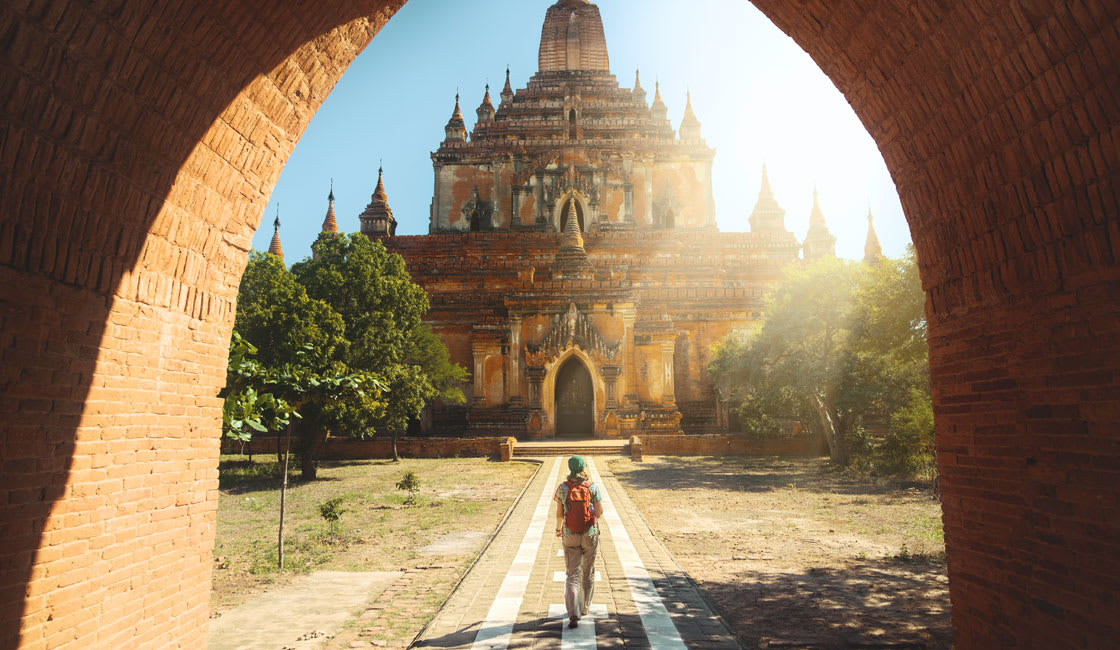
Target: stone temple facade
x=573, y=260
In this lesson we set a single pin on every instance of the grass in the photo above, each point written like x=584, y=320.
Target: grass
x=378, y=531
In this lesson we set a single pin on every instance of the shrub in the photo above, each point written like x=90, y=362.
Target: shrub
x=332, y=511
x=411, y=483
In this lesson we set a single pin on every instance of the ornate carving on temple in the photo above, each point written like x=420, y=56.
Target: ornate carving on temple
x=571, y=329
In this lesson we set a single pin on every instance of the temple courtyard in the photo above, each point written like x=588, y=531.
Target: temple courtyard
x=696, y=552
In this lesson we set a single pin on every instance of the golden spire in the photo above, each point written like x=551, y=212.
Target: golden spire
x=767, y=215
x=818, y=240
x=456, y=129
x=572, y=237
x=274, y=246
x=637, y=80
x=329, y=223
x=872, y=250
x=379, y=191
x=690, y=126
x=765, y=192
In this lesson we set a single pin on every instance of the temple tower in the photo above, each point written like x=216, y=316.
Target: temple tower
x=819, y=242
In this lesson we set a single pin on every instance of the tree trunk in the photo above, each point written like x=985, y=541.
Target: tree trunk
x=837, y=450
x=283, y=496
x=311, y=439
x=396, y=457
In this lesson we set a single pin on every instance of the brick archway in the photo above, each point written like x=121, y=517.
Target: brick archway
x=140, y=140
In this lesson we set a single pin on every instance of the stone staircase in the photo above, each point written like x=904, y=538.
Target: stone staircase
x=561, y=447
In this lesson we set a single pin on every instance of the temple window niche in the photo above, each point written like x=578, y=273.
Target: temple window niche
x=572, y=125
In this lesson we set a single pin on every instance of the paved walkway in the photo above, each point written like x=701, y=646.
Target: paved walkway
x=513, y=597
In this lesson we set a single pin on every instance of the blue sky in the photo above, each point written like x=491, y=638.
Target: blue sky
x=759, y=97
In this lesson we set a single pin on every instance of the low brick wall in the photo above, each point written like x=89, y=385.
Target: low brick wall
x=726, y=444
x=355, y=449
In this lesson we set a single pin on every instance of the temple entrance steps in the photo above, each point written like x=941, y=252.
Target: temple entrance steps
x=570, y=447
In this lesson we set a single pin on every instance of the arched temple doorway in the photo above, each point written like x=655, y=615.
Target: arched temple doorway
x=575, y=400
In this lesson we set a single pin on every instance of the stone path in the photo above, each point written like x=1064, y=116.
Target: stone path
x=512, y=599
x=300, y=615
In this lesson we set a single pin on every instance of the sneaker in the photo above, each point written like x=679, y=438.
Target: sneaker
x=573, y=622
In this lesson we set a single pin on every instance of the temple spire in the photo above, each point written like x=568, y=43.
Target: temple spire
x=274, y=246
x=638, y=80
x=485, y=110
x=765, y=192
x=377, y=219
x=818, y=240
x=690, y=126
x=660, y=113
x=872, y=250
x=507, y=91
x=572, y=262
x=572, y=237
x=456, y=129
x=767, y=215
x=330, y=224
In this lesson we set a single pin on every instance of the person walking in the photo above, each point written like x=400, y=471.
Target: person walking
x=578, y=507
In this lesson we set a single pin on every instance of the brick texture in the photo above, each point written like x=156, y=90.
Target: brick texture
x=139, y=141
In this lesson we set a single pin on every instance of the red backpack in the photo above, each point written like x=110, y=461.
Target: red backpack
x=579, y=515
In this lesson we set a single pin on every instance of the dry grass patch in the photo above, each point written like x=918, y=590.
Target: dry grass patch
x=459, y=504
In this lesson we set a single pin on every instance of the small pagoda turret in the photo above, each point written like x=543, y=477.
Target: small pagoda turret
x=819, y=241
x=377, y=219
x=872, y=250
x=690, y=126
x=274, y=246
x=767, y=215
x=456, y=129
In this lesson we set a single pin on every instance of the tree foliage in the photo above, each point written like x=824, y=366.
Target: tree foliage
x=382, y=310
x=840, y=343
x=340, y=338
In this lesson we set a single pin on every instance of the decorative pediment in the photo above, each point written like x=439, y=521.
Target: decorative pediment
x=571, y=329
x=478, y=213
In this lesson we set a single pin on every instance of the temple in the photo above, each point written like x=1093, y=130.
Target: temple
x=573, y=260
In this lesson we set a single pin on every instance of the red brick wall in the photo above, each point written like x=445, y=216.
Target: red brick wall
x=140, y=142
x=353, y=449
x=141, y=139
x=717, y=445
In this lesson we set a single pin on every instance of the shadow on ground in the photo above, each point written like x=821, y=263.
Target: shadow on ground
x=754, y=474
x=873, y=604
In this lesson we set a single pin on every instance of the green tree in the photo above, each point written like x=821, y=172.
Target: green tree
x=382, y=310
x=839, y=342
x=799, y=352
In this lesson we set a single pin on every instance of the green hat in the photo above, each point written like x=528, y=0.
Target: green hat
x=576, y=464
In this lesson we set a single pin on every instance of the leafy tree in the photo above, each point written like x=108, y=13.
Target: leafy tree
x=382, y=310
x=840, y=341
x=800, y=347
x=410, y=483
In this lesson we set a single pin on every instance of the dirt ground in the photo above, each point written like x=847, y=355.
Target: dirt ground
x=794, y=555
x=431, y=542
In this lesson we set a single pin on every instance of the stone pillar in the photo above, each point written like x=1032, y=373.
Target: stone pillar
x=669, y=393
x=628, y=200
x=478, y=351
x=629, y=358
x=536, y=381
x=648, y=189
x=610, y=377
x=515, y=360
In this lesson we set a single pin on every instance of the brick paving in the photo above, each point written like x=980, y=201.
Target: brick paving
x=458, y=623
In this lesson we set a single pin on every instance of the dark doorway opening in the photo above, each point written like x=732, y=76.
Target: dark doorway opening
x=573, y=132
x=575, y=401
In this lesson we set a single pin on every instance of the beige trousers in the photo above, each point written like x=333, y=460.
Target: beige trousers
x=579, y=558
